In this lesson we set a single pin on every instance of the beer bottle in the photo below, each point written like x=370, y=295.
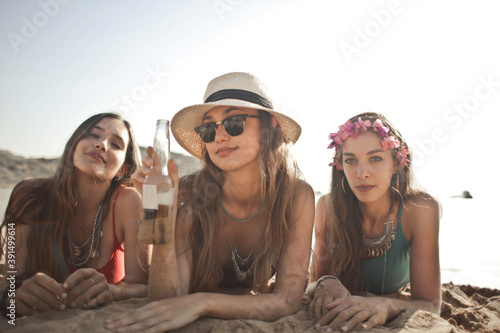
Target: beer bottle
x=158, y=191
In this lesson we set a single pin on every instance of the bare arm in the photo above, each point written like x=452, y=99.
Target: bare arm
x=169, y=273
x=423, y=226
x=424, y=259
x=286, y=298
x=128, y=211
x=329, y=289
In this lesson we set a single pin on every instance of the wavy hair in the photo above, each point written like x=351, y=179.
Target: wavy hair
x=344, y=235
x=48, y=205
x=279, y=179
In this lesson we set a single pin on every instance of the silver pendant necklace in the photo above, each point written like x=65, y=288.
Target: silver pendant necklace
x=239, y=265
x=380, y=245
x=94, y=238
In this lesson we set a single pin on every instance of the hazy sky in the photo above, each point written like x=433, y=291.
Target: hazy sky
x=432, y=67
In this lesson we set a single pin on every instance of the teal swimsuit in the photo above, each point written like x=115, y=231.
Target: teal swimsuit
x=397, y=270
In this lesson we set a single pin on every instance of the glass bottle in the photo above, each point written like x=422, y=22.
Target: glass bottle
x=158, y=191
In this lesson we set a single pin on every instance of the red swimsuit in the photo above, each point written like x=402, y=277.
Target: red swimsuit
x=114, y=270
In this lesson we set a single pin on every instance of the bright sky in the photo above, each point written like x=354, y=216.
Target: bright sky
x=432, y=67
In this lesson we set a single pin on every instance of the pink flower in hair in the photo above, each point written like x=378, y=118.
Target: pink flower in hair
x=379, y=128
x=390, y=142
x=377, y=123
x=337, y=164
x=403, y=156
x=363, y=125
x=354, y=129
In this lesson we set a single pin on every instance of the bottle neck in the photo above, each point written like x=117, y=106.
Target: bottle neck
x=162, y=145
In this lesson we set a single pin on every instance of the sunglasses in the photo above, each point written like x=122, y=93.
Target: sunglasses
x=234, y=125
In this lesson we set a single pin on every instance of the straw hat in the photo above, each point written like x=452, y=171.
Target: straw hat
x=232, y=89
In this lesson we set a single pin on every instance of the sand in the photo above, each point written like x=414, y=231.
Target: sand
x=464, y=309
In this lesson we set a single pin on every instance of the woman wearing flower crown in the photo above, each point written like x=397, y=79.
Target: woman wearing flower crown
x=374, y=231
x=246, y=215
x=63, y=237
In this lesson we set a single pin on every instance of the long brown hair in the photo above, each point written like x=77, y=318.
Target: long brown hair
x=48, y=205
x=344, y=235
x=279, y=179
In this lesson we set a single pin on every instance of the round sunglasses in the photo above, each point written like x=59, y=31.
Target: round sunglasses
x=234, y=125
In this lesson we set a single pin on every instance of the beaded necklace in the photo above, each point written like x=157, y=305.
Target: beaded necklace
x=241, y=221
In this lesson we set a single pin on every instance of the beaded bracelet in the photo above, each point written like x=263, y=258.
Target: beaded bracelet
x=323, y=278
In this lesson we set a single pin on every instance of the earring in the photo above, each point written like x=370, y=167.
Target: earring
x=343, y=188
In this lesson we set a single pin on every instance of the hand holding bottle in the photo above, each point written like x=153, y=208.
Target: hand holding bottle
x=159, y=193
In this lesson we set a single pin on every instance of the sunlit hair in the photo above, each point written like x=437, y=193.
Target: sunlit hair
x=48, y=205
x=279, y=180
x=344, y=235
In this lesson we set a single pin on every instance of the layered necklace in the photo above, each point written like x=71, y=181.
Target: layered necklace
x=80, y=258
x=381, y=244
x=243, y=268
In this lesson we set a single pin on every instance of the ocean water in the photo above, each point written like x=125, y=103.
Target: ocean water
x=469, y=239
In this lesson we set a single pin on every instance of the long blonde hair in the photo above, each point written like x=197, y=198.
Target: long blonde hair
x=344, y=235
x=279, y=179
x=48, y=205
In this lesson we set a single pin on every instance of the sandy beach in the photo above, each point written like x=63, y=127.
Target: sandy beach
x=463, y=309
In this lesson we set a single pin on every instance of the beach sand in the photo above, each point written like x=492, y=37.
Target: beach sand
x=464, y=309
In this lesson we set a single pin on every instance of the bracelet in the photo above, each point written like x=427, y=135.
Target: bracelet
x=4, y=297
x=323, y=278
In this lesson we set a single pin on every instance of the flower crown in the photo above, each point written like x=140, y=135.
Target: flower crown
x=361, y=126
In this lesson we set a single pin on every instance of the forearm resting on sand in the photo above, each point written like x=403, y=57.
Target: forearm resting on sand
x=266, y=307
x=123, y=291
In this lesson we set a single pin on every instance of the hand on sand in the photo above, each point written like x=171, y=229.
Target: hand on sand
x=40, y=293
x=87, y=288
x=147, y=162
x=328, y=291
x=165, y=315
x=346, y=313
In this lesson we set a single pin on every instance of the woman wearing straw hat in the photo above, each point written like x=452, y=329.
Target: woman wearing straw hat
x=244, y=217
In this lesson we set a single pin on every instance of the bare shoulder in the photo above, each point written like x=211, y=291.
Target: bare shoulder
x=303, y=191
x=422, y=211
x=422, y=203
x=128, y=202
x=323, y=200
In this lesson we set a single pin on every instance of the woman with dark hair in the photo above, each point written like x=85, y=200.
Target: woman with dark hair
x=246, y=216
x=375, y=231
x=70, y=230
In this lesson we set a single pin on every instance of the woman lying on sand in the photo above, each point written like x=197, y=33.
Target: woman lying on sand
x=246, y=215
x=374, y=231
x=76, y=232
